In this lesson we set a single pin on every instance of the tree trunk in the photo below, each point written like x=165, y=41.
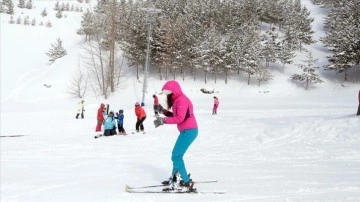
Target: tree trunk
x=112, y=47
x=205, y=76
x=183, y=75
x=137, y=72
x=166, y=73
x=307, y=83
x=215, y=77
x=102, y=75
x=345, y=74
x=226, y=76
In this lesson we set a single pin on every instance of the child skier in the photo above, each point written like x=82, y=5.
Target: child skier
x=216, y=105
x=80, y=109
x=120, y=122
x=156, y=105
x=100, y=117
x=141, y=116
x=110, y=125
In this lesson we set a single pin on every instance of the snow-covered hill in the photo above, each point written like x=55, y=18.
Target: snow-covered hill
x=277, y=142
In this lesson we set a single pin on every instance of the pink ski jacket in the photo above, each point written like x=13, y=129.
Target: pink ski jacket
x=216, y=101
x=182, y=108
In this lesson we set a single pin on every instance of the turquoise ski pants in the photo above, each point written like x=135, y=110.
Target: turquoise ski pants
x=183, y=142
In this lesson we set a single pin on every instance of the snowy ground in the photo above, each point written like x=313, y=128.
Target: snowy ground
x=276, y=142
x=258, y=147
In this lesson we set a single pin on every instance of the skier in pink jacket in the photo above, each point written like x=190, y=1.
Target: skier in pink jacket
x=216, y=105
x=182, y=114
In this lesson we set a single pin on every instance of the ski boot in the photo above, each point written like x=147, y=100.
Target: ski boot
x=188, y=187
x=178, y=185
x=174, y=183
x=167, y=182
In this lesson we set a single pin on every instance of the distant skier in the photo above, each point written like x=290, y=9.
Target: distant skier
x=120, y=122
x=156, y=105
x=183, y=115
x=100, y=117
x=141, y=116
x=216, y=105
x=110, y=125
x=80, y=109
x=358, y=112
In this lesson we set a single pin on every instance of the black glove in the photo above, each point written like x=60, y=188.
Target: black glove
x=161, y=109
x=159, y=121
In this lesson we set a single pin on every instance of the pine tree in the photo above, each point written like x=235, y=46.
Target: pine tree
x=67, y=6
x=18, y=20
x=44, y=12
x=87, y=25
x=101, y=6
x=251, y=59
x=210, y=53
x=62, y=7
x=263, y=74
x=134, y=35
x=21, y=4
x=48, y=24
x=165, y=48
x=29, y=4
x=297, y=25
x=33, y=22
x=57, y=51
x=227, y=57
x=57, y=6
x=286, y=54
x=270, y=12
x=10, y=6
x=309, y=74
x=2, y=7
x=271, y=46
x=11, y=21
x=26, y=20
x=59, y=14
x=343, y=36
x=304, y=27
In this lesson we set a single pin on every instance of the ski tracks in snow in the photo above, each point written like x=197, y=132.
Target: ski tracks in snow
x=24, y=81
x=305, y=152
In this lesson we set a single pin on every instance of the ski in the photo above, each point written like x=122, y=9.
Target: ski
x=12, y=135
x=143, y=132
x=163, y=185
x=172, y=192
x=97, y=136
x=100, y=135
